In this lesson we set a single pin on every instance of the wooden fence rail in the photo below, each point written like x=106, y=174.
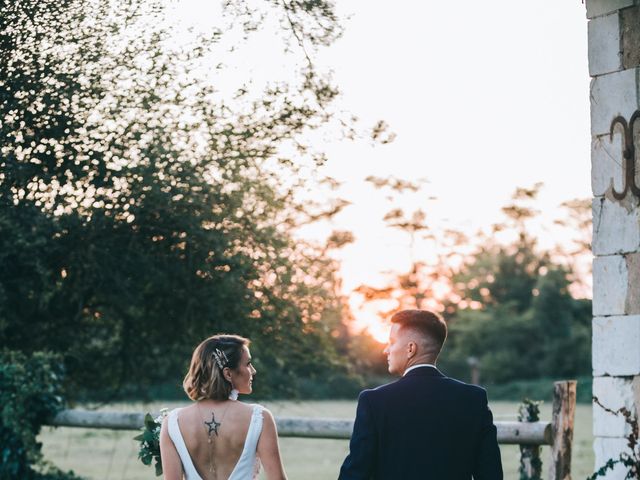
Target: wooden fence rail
x=558, y=433
x=510, y=433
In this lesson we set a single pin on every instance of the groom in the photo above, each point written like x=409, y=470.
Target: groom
x=424, y=425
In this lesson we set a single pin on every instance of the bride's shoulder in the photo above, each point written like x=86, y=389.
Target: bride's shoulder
x=172, y=412
x=258, y=410
x=254, y=407
x=243, y=407
x=184, y=410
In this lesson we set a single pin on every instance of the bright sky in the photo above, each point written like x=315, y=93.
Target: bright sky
x=484, y=97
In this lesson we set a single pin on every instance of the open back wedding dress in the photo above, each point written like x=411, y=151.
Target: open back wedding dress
x=248, y=464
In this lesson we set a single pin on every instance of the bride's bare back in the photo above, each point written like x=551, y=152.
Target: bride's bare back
x=215, y=455
x=217, y=459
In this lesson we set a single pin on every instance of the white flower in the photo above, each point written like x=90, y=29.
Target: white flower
x=163, y=413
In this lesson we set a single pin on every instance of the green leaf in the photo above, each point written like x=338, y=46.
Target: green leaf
x=149, y=422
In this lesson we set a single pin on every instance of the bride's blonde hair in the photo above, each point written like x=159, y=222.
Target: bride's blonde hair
x=205, y=379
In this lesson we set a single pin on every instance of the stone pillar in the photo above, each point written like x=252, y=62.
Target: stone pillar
x=614, y=61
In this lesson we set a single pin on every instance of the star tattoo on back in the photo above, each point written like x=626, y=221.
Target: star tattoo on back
x=213, y=425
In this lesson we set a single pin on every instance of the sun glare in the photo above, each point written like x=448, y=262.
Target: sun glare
x=372, y=307
x=369, y=316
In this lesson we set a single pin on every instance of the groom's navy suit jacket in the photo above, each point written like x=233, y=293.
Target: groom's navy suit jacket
x=423, y=426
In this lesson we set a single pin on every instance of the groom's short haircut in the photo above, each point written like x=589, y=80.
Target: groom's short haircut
x=430, y=326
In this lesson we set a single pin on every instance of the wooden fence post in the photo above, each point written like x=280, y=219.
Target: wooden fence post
x=564, y=409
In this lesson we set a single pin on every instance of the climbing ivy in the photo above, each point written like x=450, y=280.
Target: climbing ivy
x=631, y=459
x=530, y=463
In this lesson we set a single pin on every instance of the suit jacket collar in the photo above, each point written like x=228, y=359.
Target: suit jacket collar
x=426, y=371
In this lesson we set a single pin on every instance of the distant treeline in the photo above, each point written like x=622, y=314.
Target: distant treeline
x=528, y=325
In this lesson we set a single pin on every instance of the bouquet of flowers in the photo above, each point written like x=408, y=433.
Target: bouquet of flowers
x=150, y=440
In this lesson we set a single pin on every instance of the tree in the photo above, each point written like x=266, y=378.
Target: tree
x=141, y=210
x=525, y=324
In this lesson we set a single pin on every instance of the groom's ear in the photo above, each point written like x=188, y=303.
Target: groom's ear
x=412, y=348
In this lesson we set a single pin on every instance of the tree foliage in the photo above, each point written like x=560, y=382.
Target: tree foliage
x=30, y=395
x=507, y=301
x=525, y=324
x=141, y=209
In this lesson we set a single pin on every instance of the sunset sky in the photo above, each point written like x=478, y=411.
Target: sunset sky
x=483, y=97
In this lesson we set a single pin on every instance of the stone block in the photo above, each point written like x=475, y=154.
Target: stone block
x=610, y=279
x=616, y=227
x=630, y=36
x=612, y=393
x=610, y=448
x=616, y=346
x=596, y=8
x=606, y=164
x=636, y=392
x=605, y=55
x=632, y=303
x=612, y=94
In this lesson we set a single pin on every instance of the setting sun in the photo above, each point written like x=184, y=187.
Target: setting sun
x=373, y=306
x=368, y=316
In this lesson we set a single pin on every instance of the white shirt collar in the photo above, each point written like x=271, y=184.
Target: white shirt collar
x=418, y=366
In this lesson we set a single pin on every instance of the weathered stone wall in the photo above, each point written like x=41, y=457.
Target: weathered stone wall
x=614, y=58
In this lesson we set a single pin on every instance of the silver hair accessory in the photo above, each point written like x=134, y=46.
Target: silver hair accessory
x=220, y=358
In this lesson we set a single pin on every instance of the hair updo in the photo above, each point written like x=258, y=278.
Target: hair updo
x=205, y=380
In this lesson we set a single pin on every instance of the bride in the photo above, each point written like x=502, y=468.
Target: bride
x=218, y=437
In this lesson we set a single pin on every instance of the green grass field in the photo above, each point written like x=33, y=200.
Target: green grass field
x=112, y=455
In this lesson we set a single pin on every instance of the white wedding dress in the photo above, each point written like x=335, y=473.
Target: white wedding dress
x=248, y=465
